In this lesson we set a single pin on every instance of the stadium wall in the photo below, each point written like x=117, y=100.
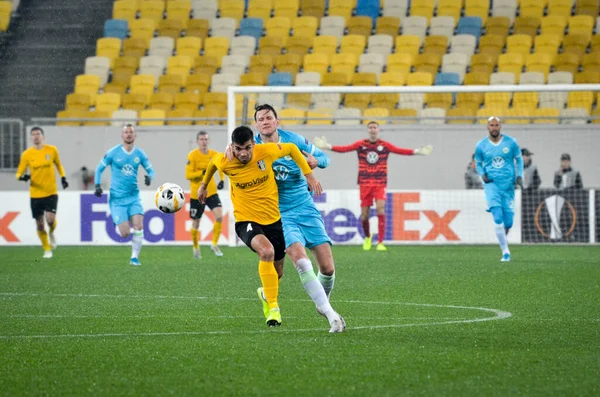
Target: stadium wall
x=167, y=148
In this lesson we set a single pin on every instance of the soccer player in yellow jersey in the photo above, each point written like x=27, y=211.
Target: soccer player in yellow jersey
x=256, y=203
x=198, y=160
x=41, y=160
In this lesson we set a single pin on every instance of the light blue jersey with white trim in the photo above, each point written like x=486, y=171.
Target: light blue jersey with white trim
x=124, y=173
x=291, y=184
x=497, y=160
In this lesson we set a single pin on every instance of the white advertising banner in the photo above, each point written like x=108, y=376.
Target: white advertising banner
x=412, y=217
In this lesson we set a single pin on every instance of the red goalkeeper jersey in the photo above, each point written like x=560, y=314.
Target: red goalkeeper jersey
x=372, y=159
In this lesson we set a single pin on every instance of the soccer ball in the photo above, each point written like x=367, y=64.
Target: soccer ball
x=169, y=198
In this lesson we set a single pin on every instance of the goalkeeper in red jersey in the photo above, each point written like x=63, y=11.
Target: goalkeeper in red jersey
x=372, y=175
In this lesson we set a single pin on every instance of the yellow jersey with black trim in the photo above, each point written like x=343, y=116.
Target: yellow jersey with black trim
x=253, y=187
x=197, y=162
x=41, y=163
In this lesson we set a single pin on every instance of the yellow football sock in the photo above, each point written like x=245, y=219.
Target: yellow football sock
x=52, y=226
x=216, y=232
x=44, y=239
x=270, y=282
x=194, y=233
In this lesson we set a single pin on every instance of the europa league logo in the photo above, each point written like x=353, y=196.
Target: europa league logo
x=555, y=218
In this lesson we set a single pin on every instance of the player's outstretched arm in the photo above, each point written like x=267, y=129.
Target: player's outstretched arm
x=424, y=150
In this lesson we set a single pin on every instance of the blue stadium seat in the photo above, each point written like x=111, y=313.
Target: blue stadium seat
x=116, y=28
x=447, y=79
x=470, y=25
x=368, y=8
x=280, y=79
x=251, y=27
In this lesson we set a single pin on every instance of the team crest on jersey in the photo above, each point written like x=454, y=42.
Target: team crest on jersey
x=261, y=165
x=281, y=172
x=379, y=148
x=505, y=150
x=498, y=162
x=127, y=170
x=136, y=160
x=372, y=157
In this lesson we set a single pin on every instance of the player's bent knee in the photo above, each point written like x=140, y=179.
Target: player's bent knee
x=497, y=214
x=508, y=220
x=266, y=253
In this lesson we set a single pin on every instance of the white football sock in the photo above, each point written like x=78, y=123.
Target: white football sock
x=136, y=243
x=314, y=289
x=501, y=234
x=327, y=282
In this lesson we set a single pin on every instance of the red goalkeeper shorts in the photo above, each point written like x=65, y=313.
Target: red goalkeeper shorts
x=370, y=193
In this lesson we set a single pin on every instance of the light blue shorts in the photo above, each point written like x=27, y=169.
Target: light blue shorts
x=122, y=212
x=304, y=225
x=496, y=197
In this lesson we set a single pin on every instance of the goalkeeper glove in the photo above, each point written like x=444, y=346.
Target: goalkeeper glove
x=424, y=150
x=147, y=180
x=98, y=191
x=64, y=182
x=520, y=182
x=486, y=178
x=24, y=177
x=321, y=143
x=220, y=185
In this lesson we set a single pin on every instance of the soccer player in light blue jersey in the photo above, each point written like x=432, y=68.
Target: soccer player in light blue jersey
x=124, y=198
x=495, y=158
x=303, y=225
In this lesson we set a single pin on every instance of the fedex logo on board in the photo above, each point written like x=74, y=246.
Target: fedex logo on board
x=343, y=225
x=171, y=227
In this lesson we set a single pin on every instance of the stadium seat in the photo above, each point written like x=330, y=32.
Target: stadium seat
x=415, y=26
x=332, y=26
x=205, y=65
x=353, y=44
x=170, y=28
x=256, y=79
x=547, y=44
x=220, y=82
x=259, y=10
x=587, y=7
x=429, y=63
x=470, y=26
x=299, y=45
x=135, y=47
x=408, y=44
x=574, y=116
x=319, y=117
x=70, y=114
x=545, y=115
x=502, y=78
x=527, y=25
x=87, y=84
x=108, y=102
x=360, y=25
x=142, y=29
x=369, y=8
x=433, y=115
x=511, y=62
x=400, y=62
x=179, y=10
x=124, y=10
x=204, y=9
x=581, y=25
x=498, y=26
x=231, y=9
x=287, y=9
x=484, y=63
x=188, y=46
x=442, y=26
x=380, y=115
x=347, y=116
x=292, y=116
x=435, y=45
x=419, y=79
x=134, y=101
x=198, y=28
x=280, y=79
x=503, y=9
x=123, y=117
x=161, y=46
x=380, y=44
x=251, y=27
x=153, y=65
x=538, y=63
x=147, y=114
x=216, y=47
x=117, y=28
x=395, y=8
x=449, y=8
x=243, y=45
x=532, y=78
x=422, y=8
x=371, y=63
x=587, y=78
x=100, y=66
x=78, y=101
x=575, y=44
x=180, y=65
x=184, y=113
x=492, y=45
x=531, y=8
x=464, y=44
x=261, y=64
x=109, y=47
x=305, y=26
x=591, y=62
x=404, y=116
x=270, y=45
x=235, y=64
x=223, y=27
x=554, y=25
x=388, y=79
x=313, y=8
x=519, y=44
x=560, y=7
x=525, y=100
x=333, y=79
x=387, y=25
x=567, y=62
x=152, y=9
x=325, y=45
x=170, y=84
x=186, y=100
x=463, y=115
x=98, y=118
x=344, y=63
x=316, y=63
x=477, y=8
x=342, y=8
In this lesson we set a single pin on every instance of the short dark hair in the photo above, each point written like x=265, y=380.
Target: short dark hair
x=241, y=135
x=264, y=106
x=201, y=133
x=37, y=128
x=372, y=122
x=129, y=125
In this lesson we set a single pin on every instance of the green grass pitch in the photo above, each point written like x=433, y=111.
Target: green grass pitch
x=422, y=321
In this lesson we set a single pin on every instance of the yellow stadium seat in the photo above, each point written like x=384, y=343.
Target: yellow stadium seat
x=333, y=79
x=538, y=63
x=325, y=45
x=342, y=8
x=135, y=102
x=582, y=99
x=313, y=8
x=388, y=79
x=581, y=25
x=70, y=114
x=435, y=45
x=206, y=64
x=179, y=10
x=286, y=9
x=525, y=100
x=299, y=45
x=161, y=100
x=189, y=46
x=319, y=117
x=531, y=8
x=143, y=29
x=259, y=9
x=108, y=102
x=360, y=25
x=419, y=79
x=198, y=83
x=388, y=25
x=256, y=79
x=526, y=25
x=519, y=44
x=147, y=114
x=262, y=64
x=271, y=45
x=596, y=113
x=109, y=47
x=477, y=8
x=232, y=9
x=380, y=115
x=292, y=116
x=501, y=99
x=98, y=118
x=290, y=63
x=466, y=115
x=278, y=27
x=449, y=8
x=88, y=84
x=212, y=114
x=400, y=63
x=567, y=62
x=180, y=65
x=429, y=63
x=591, y=62
x=170, y=28
x=135, y=47
x=554, y=24
x=353, y=44
x=216, y=47
x=545, y=116
x=491, y=44
x=180, y=114
x=77, y=101
x=139, y=80
x=152, y=9
x=345, y=64
x=316, y=63
x=518, y=115
x=170, y=83
x=587, y=77
x=587, y=7
x=469, y=99
x=364, y=79
x=124, y=9
x=197, y=28
x=512, y=63
x=560, y=7
x=484, y=63
x=547, y=44
x=422, y=8
x=477, y=78
x=439, y=100
x=575, y=44
x=305, y=26
x=119, y=88
x=499, y=26
x=405, y=116
x=187, y=100
x=408, y=44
